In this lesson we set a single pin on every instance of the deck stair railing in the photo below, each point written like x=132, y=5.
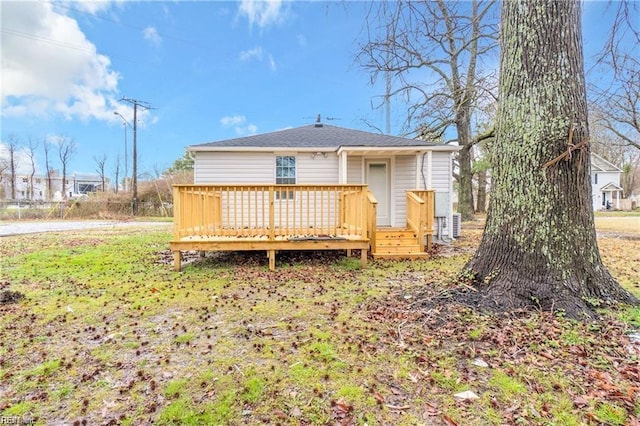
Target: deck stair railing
x=420, y=215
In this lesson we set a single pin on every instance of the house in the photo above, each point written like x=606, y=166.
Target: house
x=605, y=184
x=316, y=183
x=36, y=189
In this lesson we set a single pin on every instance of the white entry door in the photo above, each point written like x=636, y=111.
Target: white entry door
x=379, y=184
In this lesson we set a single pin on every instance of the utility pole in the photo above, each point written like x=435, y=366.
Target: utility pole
x=145, y=106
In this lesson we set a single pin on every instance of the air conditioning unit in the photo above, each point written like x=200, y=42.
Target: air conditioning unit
x=457, y=225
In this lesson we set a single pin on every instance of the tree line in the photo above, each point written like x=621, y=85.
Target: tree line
x=18, y=151
x=440, y=59
x=19, y=159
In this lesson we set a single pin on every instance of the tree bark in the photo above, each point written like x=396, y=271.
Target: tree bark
x=31, y=153
x=465, y=185
x=12, y=147
x=66, y=148
x=481, y=200
x=46, y=146
x=539, y=247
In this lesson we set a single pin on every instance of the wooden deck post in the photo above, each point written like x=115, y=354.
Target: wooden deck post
x=348, y=252
x=177, y=260
x=272, y=220
x=272, y=260
x=177, y=213
x=363, y=258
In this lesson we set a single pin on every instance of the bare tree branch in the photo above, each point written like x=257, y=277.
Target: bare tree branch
x=30, y=150
x=101, y=161
x=66, y=149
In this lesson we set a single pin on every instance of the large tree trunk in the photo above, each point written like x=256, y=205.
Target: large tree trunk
x=64, y=181
x=539, y=246
x=465, y=181
x=481, y=201
x=465, y=185
x=12, y=166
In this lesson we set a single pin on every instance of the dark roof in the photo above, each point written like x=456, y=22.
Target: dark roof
x=316, y=136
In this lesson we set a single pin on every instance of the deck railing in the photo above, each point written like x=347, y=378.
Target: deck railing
x=415, y=216
x=420, y=214
x=272, y=211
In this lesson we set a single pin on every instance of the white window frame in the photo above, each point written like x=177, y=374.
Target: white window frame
x=288, y=195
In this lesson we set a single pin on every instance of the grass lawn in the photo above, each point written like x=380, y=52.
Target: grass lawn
x=108, y=333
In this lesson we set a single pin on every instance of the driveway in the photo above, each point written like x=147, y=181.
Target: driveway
x=33, y=227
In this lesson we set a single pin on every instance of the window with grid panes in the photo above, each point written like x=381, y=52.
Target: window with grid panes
x=285, y=175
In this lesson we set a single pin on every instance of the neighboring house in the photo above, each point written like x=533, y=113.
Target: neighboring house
x=84, y=183
x=76, y=184
x=321, y=155
x=605, y=184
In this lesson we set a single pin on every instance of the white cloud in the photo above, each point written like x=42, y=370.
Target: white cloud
x=151, y=34
x=91, y=6
x=233, y=120
x=263, y=13
x=272, y=63
x=238, y=124
x=258, y=54
x=165, y=11
x=49, y=66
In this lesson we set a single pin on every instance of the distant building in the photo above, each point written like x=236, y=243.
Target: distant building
x=605, y=183
x=76, y=184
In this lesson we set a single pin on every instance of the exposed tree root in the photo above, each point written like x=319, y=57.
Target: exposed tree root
x=503, y=295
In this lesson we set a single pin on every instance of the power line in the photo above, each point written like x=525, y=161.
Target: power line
x=134, y=27
x=47, y=40
x=59, y=43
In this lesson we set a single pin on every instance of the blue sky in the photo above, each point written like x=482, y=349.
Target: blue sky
x=211, y=70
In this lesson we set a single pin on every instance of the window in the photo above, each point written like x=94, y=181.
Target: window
x=84, y=188
x=38, y=180
x=285, y=175
x=25, y=180
x=595, y=178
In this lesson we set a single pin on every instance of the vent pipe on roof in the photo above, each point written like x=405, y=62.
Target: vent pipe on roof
x=318, y=122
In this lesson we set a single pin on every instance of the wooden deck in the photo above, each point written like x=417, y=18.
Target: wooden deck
x=290, y=217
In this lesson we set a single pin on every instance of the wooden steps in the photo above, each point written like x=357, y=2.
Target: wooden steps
x=397, y=243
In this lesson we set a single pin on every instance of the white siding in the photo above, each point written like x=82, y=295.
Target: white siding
x=604, y=178
x=354, y=170
x=318, y=169
x=440, y=182
x=441, y=177
x=259, y=168
x=249, y=209
x=405, y=180
x=235, y=167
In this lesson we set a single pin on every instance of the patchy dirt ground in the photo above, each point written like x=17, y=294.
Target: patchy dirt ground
x=108, y=333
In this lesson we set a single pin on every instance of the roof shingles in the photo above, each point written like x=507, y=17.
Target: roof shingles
x=315, y=136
